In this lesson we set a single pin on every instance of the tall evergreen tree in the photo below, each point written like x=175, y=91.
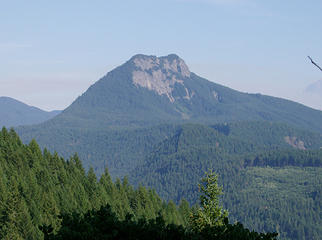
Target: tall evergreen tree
x=210, y=212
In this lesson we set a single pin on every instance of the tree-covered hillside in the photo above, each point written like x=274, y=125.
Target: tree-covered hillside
x=119, y=150
x=287, y=200
x=146, y=92
x=37, y=187
x=15, y=113
x=268, y=184
x=42, y=196
x=123, y=150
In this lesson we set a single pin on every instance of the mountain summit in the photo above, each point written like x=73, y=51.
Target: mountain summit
x=160, y=74
x=149, y=90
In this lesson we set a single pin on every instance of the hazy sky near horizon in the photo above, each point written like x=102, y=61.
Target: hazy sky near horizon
x=52, y=51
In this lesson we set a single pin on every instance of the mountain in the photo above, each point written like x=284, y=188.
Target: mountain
x=154, y=120
x=179, y=161
x=117, y=116
x=148, y=90
x=15, y=113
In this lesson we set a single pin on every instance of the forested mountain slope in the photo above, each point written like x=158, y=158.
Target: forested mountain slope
x=43, y=196
x=15, y=113
x=123, y=150
x=269, y=185
x=37, y=188
x=172, y=159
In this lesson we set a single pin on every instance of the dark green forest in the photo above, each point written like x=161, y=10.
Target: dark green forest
x=268, y=186
x=123, y=149
x=172, y=158
x=37, y=187
x=43, y=196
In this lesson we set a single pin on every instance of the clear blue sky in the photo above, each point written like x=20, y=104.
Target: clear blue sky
x=52, y=51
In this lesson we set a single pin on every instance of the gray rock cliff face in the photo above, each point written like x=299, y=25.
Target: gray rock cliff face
x=160, y=74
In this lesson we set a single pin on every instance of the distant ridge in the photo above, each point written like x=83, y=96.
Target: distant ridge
x=15, y=113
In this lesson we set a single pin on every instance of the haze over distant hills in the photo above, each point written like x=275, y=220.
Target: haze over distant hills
x=315, y=88
x=15, y=113
x=312, y=95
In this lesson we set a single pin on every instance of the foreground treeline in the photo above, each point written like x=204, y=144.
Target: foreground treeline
x=44, y=196
x=103, y=224
x=208, y=221
x=36, y=188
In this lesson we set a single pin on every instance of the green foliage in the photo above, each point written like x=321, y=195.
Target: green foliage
x=172, y=159
x=210, y=212
x=38, y=188
x=176, y=165
x=282, y=158
x=287, y=200
x=103, y=224
x=124, y=149
x=119, y=150
x=45, y=197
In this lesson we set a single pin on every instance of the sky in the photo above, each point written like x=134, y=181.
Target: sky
x=52, y=51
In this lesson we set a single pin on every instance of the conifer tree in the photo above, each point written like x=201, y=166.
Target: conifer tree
x=16, y=221
x=210, y=212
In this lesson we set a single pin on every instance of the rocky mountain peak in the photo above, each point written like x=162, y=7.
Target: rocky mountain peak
x=171, y=63
x=160, y=74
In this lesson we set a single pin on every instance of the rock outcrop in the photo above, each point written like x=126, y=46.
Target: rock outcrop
x=160, y=74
